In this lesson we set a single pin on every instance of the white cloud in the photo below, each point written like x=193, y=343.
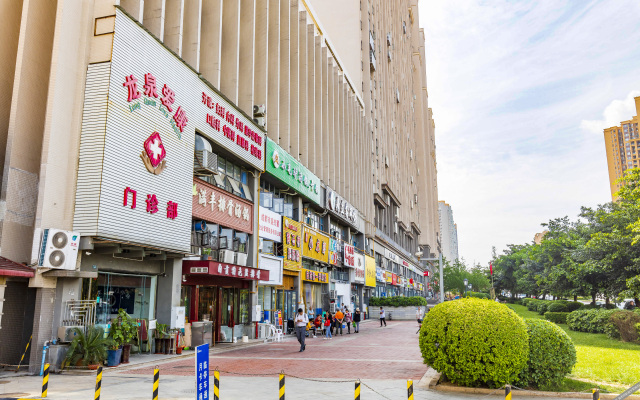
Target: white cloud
x=614, y=113
x=515, y=88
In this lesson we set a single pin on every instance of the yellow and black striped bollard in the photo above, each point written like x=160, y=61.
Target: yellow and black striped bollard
x=156, y=382
x=45, y=380
x=281, y=387
x=25, y=352
x=216, y=385
x=410, y=390
x=507, y=392
x=98, y=383
x=356, y=395
x=596, y=394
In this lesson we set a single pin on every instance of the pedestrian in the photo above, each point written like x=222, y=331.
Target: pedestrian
x=339, y=318
x=382, y=317
x=301, y=320
x=356, y=319
x=347, y=320
x=327, y=325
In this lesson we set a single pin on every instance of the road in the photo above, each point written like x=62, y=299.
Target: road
x=382, y=358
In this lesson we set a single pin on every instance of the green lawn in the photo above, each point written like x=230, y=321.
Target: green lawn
x=611, y=364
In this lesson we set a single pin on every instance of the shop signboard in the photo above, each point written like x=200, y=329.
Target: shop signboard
x=380, y=277
x=270, y=225
x=314, y=276
x=315, y=244
x=215, y=205
x=292, y=244
x=388, y=277
x=141, y=112
x=203, y=267
x=370, y=271
x=394, y=279
x=291, y=172
x=359, y=268
x=272, y=264
x=335, y=251
x=391, y=256
x=349, y=256
x=340, y=207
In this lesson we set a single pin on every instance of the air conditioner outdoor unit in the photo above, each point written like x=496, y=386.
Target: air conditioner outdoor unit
x=205, y=162
x=241, y=259
x=332, y=308
x=388, y=39
x=260, y=121
x=259, y=110
x=227, y=256
x=332, y=294
x=59, y=249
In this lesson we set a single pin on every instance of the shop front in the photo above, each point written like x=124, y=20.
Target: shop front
x=270, y=228
x=357, y=282
x=315, y=253
x=369, y=280
x=381, y=282
x=288, y=294
x=219, y=293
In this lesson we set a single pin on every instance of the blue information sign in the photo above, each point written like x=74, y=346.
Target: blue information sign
x=202, y=372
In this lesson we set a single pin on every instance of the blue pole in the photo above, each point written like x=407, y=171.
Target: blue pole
x=44, y=354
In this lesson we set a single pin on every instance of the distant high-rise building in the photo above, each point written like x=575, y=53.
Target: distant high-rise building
x=448, y=232
x=537, y=238
x=623, y=147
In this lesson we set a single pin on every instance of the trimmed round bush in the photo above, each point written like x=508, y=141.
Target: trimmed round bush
x=551, y=355
x=574, y=305
x=589, y=320
x=533, y=305
x=475, y=342
x=525, y=301
x=558, y=306
x=542, y=307
x=556, y=317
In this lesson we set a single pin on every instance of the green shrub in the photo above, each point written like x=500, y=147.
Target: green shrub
x=556, y=317
x=542, y=307
x=622, y=325
x=574, y=305
x=533, y=305
x=475, y=342
x=478, y=295
x=526, y=301
x=551, y=355
x=558, y=306
x=589, y=320
x=638, y=329
x=398, y=301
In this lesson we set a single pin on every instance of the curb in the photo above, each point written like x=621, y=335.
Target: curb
x=524, y=393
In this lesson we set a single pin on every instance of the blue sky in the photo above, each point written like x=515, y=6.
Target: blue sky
x=520, y=92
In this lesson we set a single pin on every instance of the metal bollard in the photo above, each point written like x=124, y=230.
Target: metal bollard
x=216, y=385
x=507, y=392
x=45, y=380
x=281, y=387
x=98, y=384
x=156, y=382
x=596, y=394
x=356, y=395
x=410, y=390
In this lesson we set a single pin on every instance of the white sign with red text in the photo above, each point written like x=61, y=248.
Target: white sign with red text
x=270, y=225
x=349, y=256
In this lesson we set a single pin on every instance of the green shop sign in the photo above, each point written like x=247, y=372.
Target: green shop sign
x=290, y=171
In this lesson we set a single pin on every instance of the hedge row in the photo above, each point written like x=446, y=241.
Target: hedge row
x=542, y=306
x=478, y=295
x=556, y=317
x=398, y=301
x=589, y=320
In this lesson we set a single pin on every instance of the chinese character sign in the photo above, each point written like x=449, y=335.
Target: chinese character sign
x=270, y=225
x=370, y=271
x=315, y=244
x=315, y=276
x=216, y=205
x=349, y=256
x=202, y=371
x=292, y=243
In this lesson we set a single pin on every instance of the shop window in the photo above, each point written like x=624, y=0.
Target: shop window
x=240, y=242
x=226, y=238
x=244, y=306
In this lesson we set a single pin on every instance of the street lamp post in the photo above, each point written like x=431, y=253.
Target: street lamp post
x=466, y=282
x=439, y=260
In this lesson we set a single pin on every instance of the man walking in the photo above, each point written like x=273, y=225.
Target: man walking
x=382, y=317
x=301, y=322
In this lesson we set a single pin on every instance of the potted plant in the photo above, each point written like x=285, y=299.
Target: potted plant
x=123, y=330
x=88, y=349
x=162, y=332
x=114, y=354
x=206, y=254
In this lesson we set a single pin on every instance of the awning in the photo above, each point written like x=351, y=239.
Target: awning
x=12, y=268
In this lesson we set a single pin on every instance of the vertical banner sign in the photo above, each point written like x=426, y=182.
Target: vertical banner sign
x=202, y=372
x=369, y=271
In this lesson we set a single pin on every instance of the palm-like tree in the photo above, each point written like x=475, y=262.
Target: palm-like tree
x=89, y=348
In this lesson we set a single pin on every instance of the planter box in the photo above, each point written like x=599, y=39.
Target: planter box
x=399, y=313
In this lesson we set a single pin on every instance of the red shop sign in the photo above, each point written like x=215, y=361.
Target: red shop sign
x=215, y=205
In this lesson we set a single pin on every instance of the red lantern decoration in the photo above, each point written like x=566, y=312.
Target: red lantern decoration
x=411, y=281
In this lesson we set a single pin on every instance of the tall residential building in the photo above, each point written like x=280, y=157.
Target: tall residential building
x=537, y=238
x=448, y=231
x=218, y=162
x=622, y=144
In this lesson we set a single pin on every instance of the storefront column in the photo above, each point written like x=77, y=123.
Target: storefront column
x=42, y=321
x=168, y=293
x=66, y=289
